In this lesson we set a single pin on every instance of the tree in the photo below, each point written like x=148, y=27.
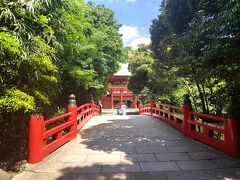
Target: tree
x=29, y=75
x=197, y=41
x=48, y=50
x=92, y=49
x=140, y=66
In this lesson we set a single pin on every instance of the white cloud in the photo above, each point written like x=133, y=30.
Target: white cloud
x=128, y=33
x=141, y=40
x=132, y=37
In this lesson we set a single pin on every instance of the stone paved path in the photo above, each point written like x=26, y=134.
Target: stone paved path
x=133, y=147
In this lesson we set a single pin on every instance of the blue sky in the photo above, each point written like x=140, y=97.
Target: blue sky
x=135, y=16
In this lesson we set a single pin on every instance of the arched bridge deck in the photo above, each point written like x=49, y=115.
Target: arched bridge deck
x=133, y=147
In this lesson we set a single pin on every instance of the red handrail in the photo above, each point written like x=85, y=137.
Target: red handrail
x=214, y=118
x=63, y=116
x=222, y=135
x=43, y=141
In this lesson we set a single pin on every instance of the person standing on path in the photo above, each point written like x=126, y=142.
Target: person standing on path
x=124, y=107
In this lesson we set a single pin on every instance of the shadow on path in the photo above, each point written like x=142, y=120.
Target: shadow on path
x=140, y=147
x=135, y=147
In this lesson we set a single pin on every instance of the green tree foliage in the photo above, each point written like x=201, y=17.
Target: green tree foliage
x=92, y=48
x=147, y=81
x=26, y=56
x=48, y=50
x=104, y=44
x=29, y=76
x=196, y=44
x=140, y=66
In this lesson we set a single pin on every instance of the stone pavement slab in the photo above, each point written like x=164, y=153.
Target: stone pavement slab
x=137, y=157
x=179, y=149
x=196, y=165
x=120, y=149
x=73, y=158
x=82, y=167
x=51, y=167
x=132, y=147
x=100, y=176
x=172, y=157
x=134, y=167
x=151, y=150
x=111, y=158
x=225, y=174
x=226, y=163
x=189, y=175
x=204, y=155
x=159, y=166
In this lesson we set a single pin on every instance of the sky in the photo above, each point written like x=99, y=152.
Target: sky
x=135, y=16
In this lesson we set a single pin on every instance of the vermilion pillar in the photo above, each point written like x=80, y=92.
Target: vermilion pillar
x=121, y=96
x=112, y=99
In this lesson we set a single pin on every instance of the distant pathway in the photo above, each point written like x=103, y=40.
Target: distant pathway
x=133, y=147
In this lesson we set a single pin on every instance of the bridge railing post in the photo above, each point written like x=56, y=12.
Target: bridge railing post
x=140, y=107
x=93, y=105
x=72, y=107
x=232, y=138
x=151, y=106
x=35, y=139
x=186, y=110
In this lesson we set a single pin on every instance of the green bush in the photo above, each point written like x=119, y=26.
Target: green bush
x=15, y=100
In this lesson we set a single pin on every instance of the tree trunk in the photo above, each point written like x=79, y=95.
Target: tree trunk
x=194, y=102
x=205, y=98
x=218, y=111
x=201, y=96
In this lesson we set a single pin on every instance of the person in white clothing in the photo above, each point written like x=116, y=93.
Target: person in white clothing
x=124, y=107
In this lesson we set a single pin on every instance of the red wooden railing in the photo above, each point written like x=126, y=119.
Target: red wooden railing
x=218, y=132
x=46, y=136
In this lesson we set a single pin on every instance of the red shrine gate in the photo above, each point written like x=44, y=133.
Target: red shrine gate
x=118, y=92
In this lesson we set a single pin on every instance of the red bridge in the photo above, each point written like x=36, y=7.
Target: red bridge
x=163, y=141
